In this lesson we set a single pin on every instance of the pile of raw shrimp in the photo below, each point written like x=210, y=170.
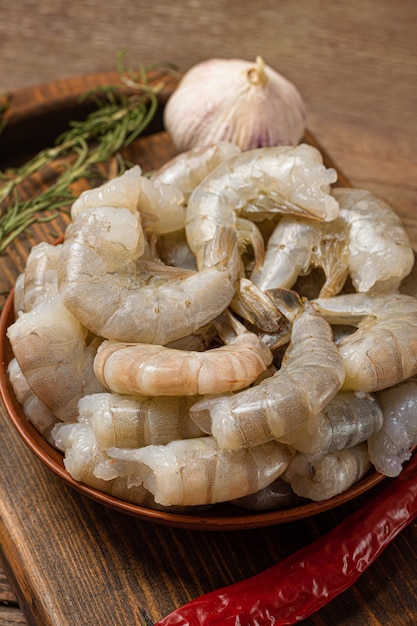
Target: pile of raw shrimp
x=233, y=327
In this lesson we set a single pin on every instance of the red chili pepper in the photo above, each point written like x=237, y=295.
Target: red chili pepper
x=304, y=582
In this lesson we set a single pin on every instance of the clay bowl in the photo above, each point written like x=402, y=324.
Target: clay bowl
x=47, y=110
x=219, y=517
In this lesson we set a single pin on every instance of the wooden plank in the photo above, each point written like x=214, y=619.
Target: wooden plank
x=10, y=616
x=355, y=63
x=10, y=613
x=6, y=593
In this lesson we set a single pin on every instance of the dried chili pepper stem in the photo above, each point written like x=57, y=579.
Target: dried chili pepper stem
x=304, y=582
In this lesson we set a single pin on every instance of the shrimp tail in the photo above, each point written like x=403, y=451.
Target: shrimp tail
x=287, y=301
x=254, y=306
x=250, y=235
x=222, y=251
x=228, y=326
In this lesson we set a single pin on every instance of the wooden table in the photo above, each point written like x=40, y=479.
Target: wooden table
x=72, y=561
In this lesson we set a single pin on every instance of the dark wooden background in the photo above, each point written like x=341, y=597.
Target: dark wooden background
x=356, y=65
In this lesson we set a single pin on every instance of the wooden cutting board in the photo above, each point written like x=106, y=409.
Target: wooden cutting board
x=73, y=561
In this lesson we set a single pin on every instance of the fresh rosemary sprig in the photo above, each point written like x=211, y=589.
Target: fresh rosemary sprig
x=118, y=120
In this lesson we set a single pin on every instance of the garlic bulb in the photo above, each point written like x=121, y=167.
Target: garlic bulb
x=247, y=104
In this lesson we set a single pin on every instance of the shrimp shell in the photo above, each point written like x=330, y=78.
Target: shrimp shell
x=297, y=246
x=189, y=168
x=254, y=306
x=56, y=354
x=82, y=455
x=120, y=192
x=380, y=252
x=260, y=183
x=41, y=272
x=161, y=205
x=155, y=370
x=103, y=283
x=391, y=446
x=40, y=276
x=35, y=410
x=310, y=375
x=288, y=253
x=19, y=294
x=383, y=350
x=133, y=422
x=348, y=419
x=366, y=241
x=329, y=475
x=197, y=471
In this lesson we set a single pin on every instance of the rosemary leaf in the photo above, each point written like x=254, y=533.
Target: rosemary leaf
x=115, y=123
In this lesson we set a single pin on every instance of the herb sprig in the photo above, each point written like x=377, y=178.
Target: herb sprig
x=116, y=122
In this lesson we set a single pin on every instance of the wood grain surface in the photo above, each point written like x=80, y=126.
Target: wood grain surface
x=70, y=560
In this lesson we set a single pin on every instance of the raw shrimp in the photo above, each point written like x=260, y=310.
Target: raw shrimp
x=41, y=273
x=297, y=246
x=133, y=422
x=120, y=192
x=55, y=353
x=310, y=375
x=166, y=193
x=82, y=455
x=391, y=446
x=257, y=184
x=35, y=410
x=288, y=253
x=366, y=241
x=161, y=205
x=106, y=285
x=383, y=350
x=197, y=471
x=155, y=370
x=329, y=475
x=347, y=420
x=188, y=169
x=254, y=306
x=380, y=252
x=183, y=172
x=19, y=294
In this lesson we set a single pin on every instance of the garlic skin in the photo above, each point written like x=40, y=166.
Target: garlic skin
x=248, y=104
